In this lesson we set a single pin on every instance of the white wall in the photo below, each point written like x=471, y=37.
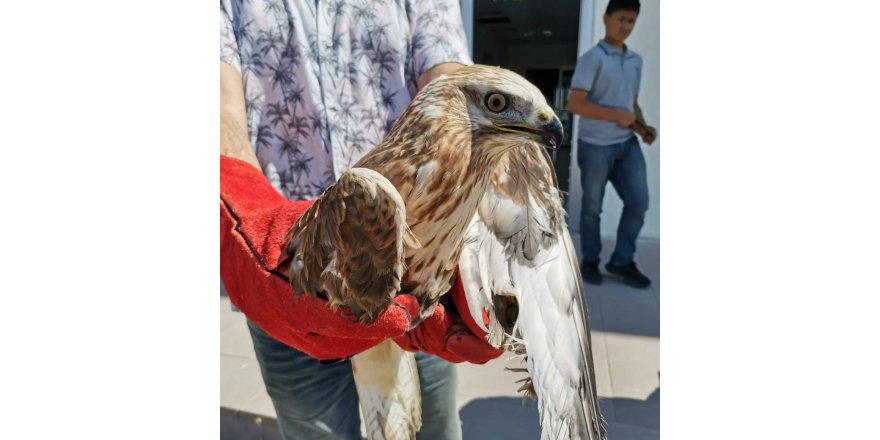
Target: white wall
x=467, y=19
x=645, y=40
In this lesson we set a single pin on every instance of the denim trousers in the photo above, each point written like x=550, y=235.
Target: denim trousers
x=624, y=166
x=319, y=401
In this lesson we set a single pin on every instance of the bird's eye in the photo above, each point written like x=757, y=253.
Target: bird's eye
x=496, y=102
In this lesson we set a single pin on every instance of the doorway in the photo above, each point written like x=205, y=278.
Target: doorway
x=537, y=39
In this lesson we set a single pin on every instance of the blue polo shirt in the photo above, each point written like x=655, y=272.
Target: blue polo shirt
x=611, y=78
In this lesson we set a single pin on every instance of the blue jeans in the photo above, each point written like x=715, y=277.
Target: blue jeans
x=317, y=401
x=624, y=165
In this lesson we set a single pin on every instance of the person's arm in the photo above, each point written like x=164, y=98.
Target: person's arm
x=579, y=104
x=436, y=71
x=638, y=112
x=234, y=140
x=439, y=42
x=651, y=134
x=586, y=72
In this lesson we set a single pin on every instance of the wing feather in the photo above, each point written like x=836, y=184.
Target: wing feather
x=350, y=244
x=520, y=241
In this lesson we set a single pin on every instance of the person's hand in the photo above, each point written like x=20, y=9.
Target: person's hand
x=646, y=132
x=254, y=220
x=650, y=136
x=625, y=119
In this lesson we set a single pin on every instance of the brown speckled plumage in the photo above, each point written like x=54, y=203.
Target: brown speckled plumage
x=439, y=157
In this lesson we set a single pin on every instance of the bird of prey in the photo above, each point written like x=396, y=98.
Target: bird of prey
x=397, y=221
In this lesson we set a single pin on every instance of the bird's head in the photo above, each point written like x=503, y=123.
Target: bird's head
x=500, y=102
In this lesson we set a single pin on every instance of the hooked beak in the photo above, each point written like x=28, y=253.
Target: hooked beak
x=549, y=133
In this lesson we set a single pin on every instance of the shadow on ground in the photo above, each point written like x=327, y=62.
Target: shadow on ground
x=239, y=425
x=512, y=418
x=516, y=418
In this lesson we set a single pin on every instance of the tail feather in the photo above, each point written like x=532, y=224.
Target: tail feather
x=387, y=382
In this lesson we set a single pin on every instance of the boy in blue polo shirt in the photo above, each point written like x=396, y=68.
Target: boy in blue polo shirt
x=604, y=94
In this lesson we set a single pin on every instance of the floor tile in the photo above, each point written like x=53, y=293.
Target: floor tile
x=240, y=381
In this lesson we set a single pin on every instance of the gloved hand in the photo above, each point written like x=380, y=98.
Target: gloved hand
x=448, y=334
x=254, y=219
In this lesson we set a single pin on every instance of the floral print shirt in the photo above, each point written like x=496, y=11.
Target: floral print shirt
x=325, y=80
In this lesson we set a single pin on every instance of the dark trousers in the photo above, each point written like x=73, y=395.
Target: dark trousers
x=624, y=166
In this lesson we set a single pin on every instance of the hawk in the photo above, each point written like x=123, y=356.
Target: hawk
x=462, y=170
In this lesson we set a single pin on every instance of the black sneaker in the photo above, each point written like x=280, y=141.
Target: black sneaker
x=630, y=273
x=591, y=272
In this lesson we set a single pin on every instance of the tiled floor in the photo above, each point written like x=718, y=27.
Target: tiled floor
x=626, y=338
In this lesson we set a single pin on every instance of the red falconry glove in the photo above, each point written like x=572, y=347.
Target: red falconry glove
x=254, y=220
x=448, y=334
